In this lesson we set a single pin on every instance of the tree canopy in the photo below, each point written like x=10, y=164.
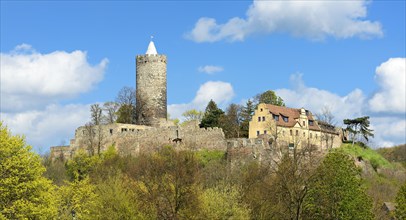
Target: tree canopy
x=269, y=97
x=211, y=116
x=24, y=192
x=359, y=126
x=337, y=192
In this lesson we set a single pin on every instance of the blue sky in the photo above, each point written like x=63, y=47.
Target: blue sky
x=57, y=58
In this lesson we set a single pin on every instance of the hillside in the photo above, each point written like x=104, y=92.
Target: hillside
x=394, y=154
x=381, y=171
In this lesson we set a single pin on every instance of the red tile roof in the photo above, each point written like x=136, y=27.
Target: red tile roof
x=292, y=114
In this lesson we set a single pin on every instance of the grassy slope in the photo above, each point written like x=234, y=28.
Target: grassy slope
x=376, y=159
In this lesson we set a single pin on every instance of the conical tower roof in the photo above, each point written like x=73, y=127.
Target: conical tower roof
x=151, y=49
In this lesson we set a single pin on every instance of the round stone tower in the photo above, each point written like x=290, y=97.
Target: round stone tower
x=151, y=106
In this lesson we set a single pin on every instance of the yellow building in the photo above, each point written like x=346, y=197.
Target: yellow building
x=292, y=127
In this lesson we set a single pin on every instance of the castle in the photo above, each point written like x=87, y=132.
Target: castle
x=153, y=129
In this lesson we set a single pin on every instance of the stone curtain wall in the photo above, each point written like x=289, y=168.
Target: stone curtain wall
x=134, y=139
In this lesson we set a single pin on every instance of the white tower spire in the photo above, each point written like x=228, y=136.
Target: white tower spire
x=151, y=48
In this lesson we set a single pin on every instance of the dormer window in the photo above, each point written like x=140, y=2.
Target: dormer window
x=311, y=123
x=276, y=117
x=285, y=119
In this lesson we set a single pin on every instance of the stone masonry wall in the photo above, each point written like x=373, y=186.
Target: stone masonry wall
x=151, y=96
x=131, y=139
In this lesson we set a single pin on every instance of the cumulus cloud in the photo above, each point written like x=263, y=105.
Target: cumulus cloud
x=30, y=79
x=47, y=127
x=220, y=92
x=33, y=84
x=391, y=78
x=389, y=131
x=210, y=69
x=310, y=19
x=316, y=99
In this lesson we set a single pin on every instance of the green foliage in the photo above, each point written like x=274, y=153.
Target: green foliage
x=24, y=192
x=376, y=160
x=118, y=199
x=211, y=116
x=78, y=198
x=400, y=212
x=359, y=126
x=55, y=170
x=126, y=114
x=269, y=97
x=206, y=156
x=167, y=182
x=223, y=202
x=246, y=113
x=336, y=191
x=394, y=154
x=81, y=165
x=193, y=114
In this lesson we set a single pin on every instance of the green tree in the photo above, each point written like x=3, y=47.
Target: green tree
x=126, y=100
x=269, y=97
x=400, y=211
x=193, y=114
x=359, y=126
x=78, y=198
x=125, y=114
x=246, y=113
x=167, y=182
x=336, y=191
x=223, y=202
x=211, y=116
x=80, y=166
x=117, y=198
x=24, y=192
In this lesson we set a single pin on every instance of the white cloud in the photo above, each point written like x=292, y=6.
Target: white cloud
x=220, y=92
x=210, y=69
x=391, y=78
x=32, y=84
x=311, y=19
x=30, y=79
x=47, y=127
x=389, y=131
x=315, y=99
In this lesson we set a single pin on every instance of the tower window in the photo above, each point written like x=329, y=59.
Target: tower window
x=264, y=131
x=259, y=118
x=304, y=123
x=257, y=133
x=297, y=133
x=261, y=109
x=263, y=118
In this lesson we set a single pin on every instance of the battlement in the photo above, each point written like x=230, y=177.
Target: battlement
x=151, y=58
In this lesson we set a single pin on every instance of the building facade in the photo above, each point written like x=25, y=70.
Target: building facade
x=292, y=127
